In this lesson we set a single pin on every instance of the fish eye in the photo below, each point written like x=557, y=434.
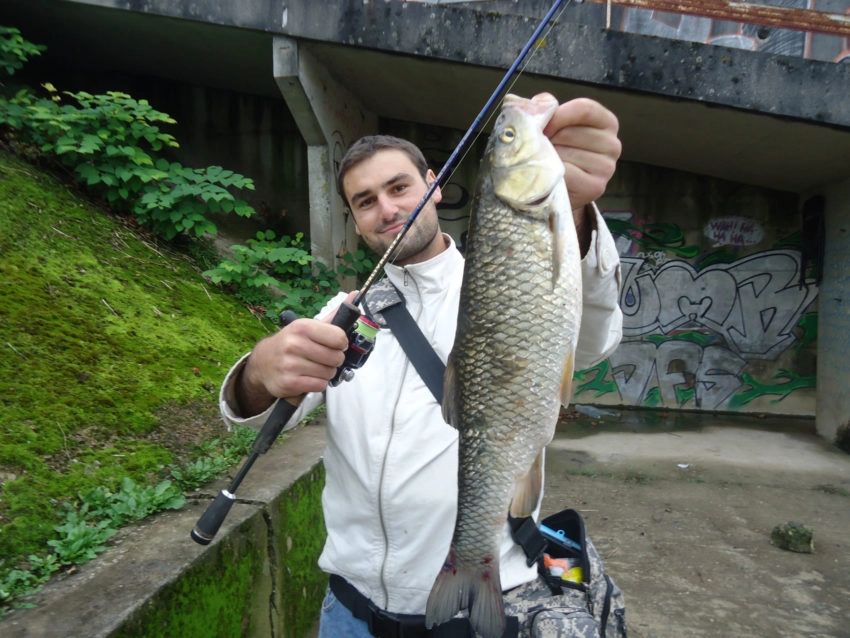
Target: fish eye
x=508, y=135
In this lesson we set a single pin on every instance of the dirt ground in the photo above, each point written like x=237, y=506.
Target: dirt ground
x=683, y=521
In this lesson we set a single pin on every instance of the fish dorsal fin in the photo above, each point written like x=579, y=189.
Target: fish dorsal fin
x=528, y=489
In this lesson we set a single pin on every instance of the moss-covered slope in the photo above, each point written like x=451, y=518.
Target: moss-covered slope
x=112, y=348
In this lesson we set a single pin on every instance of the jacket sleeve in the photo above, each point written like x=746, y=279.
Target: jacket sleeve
x=229, y=407
x=601, y=320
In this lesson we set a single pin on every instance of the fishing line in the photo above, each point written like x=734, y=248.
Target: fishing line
x=462, y=148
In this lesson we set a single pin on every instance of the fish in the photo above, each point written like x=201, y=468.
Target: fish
x=511, y=365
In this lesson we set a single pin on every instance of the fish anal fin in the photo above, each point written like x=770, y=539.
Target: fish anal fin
x=567, y=379
x=528, y=489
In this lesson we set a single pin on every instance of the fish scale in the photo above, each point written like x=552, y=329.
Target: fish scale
x=511, y=363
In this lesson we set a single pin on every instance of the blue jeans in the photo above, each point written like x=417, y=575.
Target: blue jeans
x=337, y=622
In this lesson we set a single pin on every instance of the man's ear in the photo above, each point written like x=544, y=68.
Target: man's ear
x=437, y=196
x=354, y=221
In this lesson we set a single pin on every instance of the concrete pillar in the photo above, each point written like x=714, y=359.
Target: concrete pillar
x=329, y=118
x=833, y=367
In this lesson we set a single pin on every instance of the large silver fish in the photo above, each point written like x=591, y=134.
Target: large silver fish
x=512, y=361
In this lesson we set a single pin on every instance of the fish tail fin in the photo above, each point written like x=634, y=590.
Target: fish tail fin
x=474, y=587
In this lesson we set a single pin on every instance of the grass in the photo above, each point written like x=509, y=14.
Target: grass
x=113, y=349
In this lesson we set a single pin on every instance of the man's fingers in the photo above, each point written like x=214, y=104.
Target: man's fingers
x=582, y=112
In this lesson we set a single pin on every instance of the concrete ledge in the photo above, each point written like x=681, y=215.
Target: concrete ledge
x=257, y=578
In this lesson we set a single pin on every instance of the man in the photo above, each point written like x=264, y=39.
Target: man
x=391, y=461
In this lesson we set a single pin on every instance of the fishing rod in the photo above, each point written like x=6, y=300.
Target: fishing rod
x=360, y=333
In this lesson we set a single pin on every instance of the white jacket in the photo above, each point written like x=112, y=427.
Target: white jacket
x=390, y=493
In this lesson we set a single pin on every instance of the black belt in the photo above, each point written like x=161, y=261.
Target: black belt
x=385, y=624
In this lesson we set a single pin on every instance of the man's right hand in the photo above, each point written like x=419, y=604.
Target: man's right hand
x=300, y=358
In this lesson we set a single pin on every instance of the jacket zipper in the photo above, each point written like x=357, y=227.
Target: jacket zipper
x=384, y=588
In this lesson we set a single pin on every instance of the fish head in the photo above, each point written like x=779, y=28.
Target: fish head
x=525, y=167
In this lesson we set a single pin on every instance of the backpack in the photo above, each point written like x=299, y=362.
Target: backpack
x=594, y=600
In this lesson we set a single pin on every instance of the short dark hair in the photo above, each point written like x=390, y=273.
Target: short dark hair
x=367, y=146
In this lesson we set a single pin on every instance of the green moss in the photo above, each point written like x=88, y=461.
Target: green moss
x=212, y=600
x=231, y=589
x=302, y=525
x=101, y=326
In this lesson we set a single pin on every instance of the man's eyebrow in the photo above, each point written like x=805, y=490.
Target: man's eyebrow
x=398, y=177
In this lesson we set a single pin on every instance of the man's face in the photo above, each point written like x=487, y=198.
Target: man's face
x=382, y=192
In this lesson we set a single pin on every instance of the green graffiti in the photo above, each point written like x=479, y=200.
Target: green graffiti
x=658, y=236
x=685, y=394
x=653, y=398
x=693, y=336
x=794, y=241
x=753, y=388
x=595, y=380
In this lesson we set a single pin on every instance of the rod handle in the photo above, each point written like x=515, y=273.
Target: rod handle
x=208, y=525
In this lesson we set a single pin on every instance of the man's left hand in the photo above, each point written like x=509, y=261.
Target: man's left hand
x=585, y=135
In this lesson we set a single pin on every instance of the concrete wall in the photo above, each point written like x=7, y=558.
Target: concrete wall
x=833, y=414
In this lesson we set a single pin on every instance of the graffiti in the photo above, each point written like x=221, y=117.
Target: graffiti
x=752, y=304
x=681, y=370
x=755, y=388
x=594, y=380
x=734, y=231
x=692, y=333
x=652, y=237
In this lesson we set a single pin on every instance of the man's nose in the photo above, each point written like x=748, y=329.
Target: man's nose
x=387, y=206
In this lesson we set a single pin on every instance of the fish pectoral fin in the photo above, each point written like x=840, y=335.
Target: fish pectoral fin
x=567, y=379
x=450, y=412
x=528, y=489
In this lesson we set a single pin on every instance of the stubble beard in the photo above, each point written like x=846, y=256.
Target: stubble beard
x=418, y=237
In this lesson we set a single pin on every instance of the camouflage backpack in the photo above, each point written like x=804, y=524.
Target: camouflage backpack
x=574, y=597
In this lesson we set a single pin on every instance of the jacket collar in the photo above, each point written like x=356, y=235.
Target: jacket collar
x=428, y=276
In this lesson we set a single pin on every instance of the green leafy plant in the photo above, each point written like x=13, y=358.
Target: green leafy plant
x=80, y=540
x=280, y=274
x=14, y=50
x=214, y=458
x=130, y=503
x=20, y=582
x=112, y=142
x=184, y=197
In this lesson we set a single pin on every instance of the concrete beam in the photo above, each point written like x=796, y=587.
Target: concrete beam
x=329, y=118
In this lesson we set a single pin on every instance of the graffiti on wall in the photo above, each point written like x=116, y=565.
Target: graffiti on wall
x=691, y=332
